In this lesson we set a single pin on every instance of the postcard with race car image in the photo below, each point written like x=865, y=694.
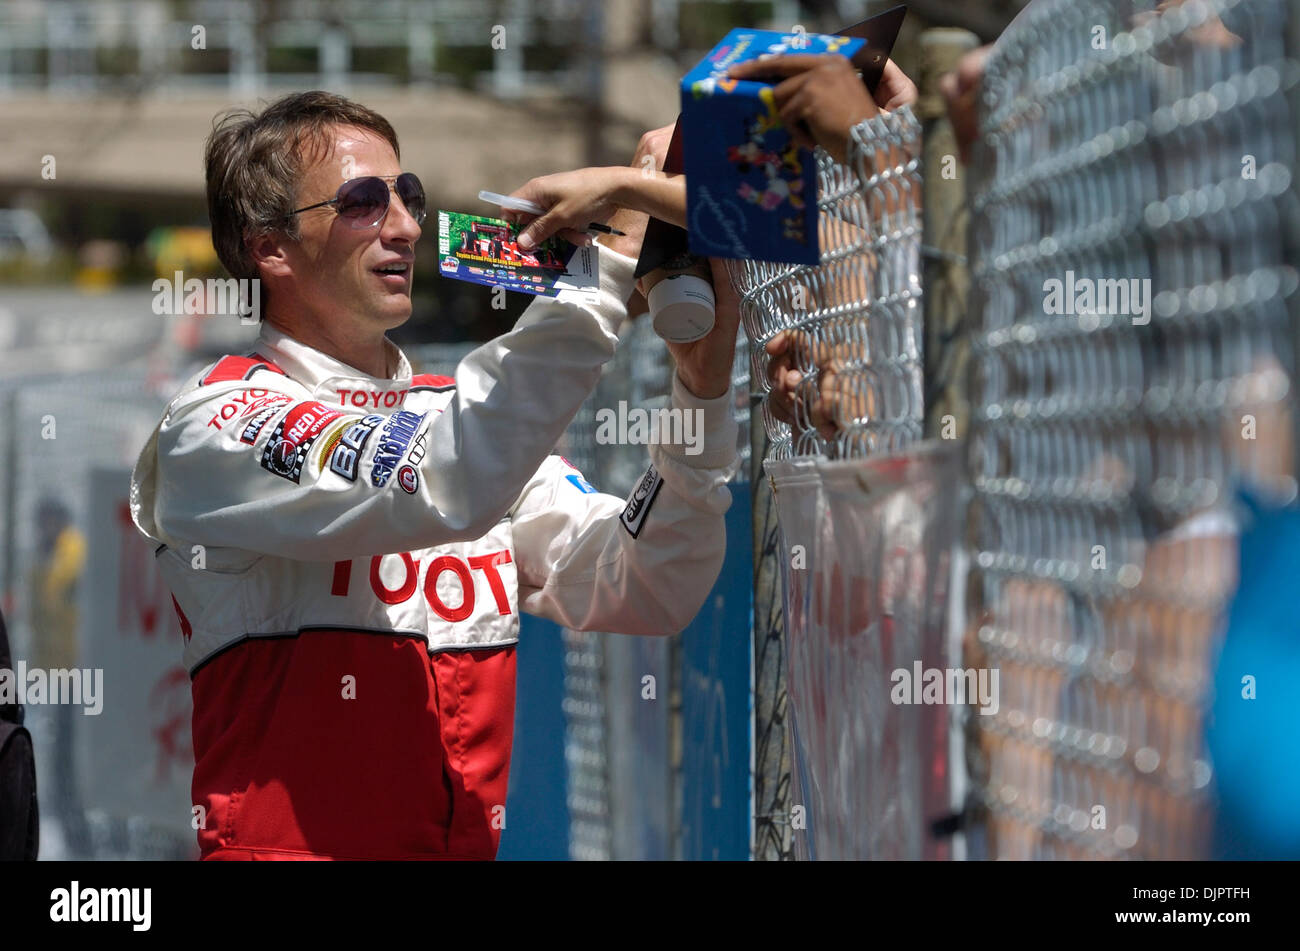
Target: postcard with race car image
x=483, y=251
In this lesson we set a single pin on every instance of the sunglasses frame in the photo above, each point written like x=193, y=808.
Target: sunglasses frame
x=390, y=181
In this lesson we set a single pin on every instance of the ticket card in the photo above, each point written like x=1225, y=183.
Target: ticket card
x=485, y=251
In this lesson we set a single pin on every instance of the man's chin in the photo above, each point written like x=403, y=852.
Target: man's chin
x=394, y=311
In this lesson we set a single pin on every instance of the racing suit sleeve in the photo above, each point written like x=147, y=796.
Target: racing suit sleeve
x=199, y=483
x=591, y=561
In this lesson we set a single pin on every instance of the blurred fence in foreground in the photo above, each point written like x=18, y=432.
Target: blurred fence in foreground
x=1107, y=435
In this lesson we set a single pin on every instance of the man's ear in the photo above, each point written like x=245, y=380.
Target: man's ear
x=269, y=253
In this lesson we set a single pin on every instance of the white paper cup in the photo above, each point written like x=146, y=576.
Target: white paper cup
x=682, y=307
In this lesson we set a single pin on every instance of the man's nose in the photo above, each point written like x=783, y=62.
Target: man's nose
x=399, y=223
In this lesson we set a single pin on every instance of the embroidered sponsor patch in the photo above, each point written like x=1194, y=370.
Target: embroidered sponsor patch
x=394, y=439
x=639, y=502
x=347, y=453
x=416, y=455
x=408, y=479
x=581, y=484
x=244, y=404
x=331, y=439
x=286, y=451
x=257, y=405
x=256, y=424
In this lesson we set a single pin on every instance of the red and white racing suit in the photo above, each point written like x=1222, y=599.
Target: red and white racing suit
x=349, y=556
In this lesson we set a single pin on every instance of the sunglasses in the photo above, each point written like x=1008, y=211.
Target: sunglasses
x=363, y=202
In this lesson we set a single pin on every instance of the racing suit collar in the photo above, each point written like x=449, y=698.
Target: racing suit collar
x=326, y=376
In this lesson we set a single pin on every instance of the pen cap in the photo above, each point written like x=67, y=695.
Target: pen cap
x=682, y=307
x=514, y=204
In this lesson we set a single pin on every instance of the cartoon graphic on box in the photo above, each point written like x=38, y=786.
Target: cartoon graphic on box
x=751, y=192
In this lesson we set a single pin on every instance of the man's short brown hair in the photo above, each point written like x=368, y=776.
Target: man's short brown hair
x=254, y=163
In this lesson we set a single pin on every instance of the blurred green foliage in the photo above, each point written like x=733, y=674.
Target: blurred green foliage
x=702, y=24
x=291, y=59
x=382, y=60
x=463, y=63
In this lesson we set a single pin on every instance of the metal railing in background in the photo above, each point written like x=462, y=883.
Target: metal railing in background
x=1147, y=160
x=251, y=46
x=601, y=719
x=248, y=47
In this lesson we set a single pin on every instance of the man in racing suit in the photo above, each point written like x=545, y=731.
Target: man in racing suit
x=349, y=552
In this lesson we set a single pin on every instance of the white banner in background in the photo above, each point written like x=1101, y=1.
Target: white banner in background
x=139, y=749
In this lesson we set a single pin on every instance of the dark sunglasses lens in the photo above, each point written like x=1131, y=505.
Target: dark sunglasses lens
x=363, y=199
x=411, y=192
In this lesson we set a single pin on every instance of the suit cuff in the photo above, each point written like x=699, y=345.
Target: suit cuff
x=714, y=423
x=616, y=273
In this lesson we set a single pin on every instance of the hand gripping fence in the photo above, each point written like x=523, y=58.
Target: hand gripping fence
x=859, y=306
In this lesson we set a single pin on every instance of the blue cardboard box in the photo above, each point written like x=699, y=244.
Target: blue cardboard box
x=750, y=191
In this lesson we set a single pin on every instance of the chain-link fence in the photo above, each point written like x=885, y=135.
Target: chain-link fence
x=1132, y=329
x=861, y=548
x=1132, y=304
x=857, y=312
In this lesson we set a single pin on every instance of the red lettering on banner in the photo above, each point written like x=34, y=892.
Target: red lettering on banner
x=142, y=595
x=488, y=565
x=169, y=703
x=395, y=595
x=187, y=631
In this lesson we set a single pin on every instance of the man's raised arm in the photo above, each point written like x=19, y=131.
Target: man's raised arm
x=199, y=484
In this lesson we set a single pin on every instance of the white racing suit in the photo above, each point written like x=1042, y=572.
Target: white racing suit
x=349, y=555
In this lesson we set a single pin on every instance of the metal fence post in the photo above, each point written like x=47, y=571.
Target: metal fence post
x=943, y=238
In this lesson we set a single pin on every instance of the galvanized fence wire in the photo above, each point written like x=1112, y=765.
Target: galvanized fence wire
x=1146, y=161
x=855, y=313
